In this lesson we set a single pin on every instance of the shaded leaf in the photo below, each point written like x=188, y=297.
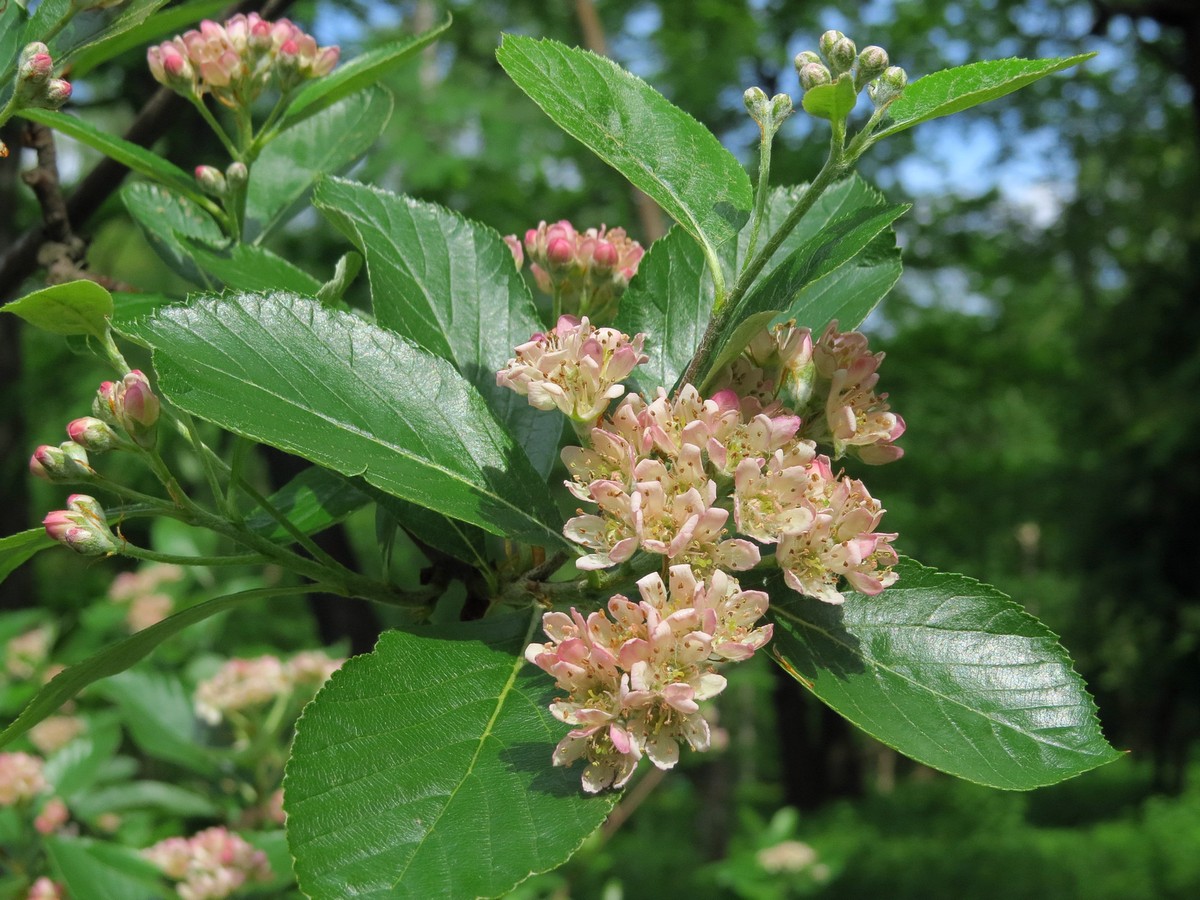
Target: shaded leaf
x=167, y=220
x=422, y=748
x=948, y=671
x=363, y=71
x=352, y=397
x=16, y=549
x=450, y=285
x=98, y=870
x=245, y=267
x=312, y=501
x=327, y=142
x=152, y=795
x=140, y=33
x=831, y=101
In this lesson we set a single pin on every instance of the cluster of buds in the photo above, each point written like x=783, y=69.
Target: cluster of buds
x=209, y=865
x=53, y=817
x=636, y=675
x=20, y=778
x=36, y=85
x=702, y=482
x=252, y=684
x=124, y=413
x=769, y=114
x=575, y=368
x=82, y=526
x=219, y=184
x=237, y=61
x=839, y=59
x=829, y=383
x=587, y=271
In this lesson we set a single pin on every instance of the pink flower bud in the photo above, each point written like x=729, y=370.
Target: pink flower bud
x=288, y=49
x=79, y=532
x=137, y=408
x=514, y=246
x=560, y=252
x=93, y=434
x=36, y=68
x=58, y=92
x=211, y=180
x=327, y=58
x=605, y=254
x=67, y=462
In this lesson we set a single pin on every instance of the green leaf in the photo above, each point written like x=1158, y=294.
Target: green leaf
x=120, y=656
x=44, y=19
x=460, y=540
x=74, y=768
x=139, y=159
x=11, y=16
x=953, y=90
x=167, y=220
x=627, y=123
x=325, y=143
x=141, y=32
x=352, y=397
x=449, y=285
x=359, y=73
x=128, y=18
x=77, y=307
x=670, y=301
x=159, y=716
x=97, y=870
x=245, y=267
x=851, y=292
x=17, y=549
x=948, y=671
x=425, y=747
x=151, y=795
x=128, y=307
x=312, y=501
x=831, y=101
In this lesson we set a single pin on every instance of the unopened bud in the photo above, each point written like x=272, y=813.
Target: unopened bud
x=842, y=56
x=170, y=67
x=828, y=39
x=560, y=252
x=67, y=462
x=781, y=108
x=82, y=526
x=36, y=68
x=237, y=174
x=871, y=63
x=888, y=86
x=518, y=252
x=58, y=92
x=812, y=75
x=211, y=180
x=137, y=408
x=94, y=435
x=605, y=255
x=755, y=99
x=804, y=57
x=104, y=406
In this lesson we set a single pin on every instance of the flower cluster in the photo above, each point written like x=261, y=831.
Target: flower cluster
x=830, y=383
x=237, y=61
x=25, y=654
x=575, y=367
x=209, y=865
x=635, y=675
x=20, y=778
x=702, y=482
x=82, y=526
x=247, y=684
x=588, y=271
x=840, y=59
x=141, y=592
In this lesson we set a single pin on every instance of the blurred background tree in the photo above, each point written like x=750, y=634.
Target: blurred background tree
x=1044, y=347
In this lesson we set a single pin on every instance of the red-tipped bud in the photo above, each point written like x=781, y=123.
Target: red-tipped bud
x=514, y=245
x=67, y=462
x=327, y=58
x=93, y=435
x=36, y=68
x=58, y=92
x=211, y=180
x=560, y=252
x=605, y=254
x=82, y=526
x=137, y=408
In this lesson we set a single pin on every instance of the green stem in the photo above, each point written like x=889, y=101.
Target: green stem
x=210, y=472
x=764, y=181
x=208, y=117
x=265, y=133
x=245, y=559
x=290, y=527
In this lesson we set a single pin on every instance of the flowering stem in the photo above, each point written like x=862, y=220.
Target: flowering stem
x=210, y=472
x=290, y=527
x=766, y=139
x=245, y=559
x=215, y=126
